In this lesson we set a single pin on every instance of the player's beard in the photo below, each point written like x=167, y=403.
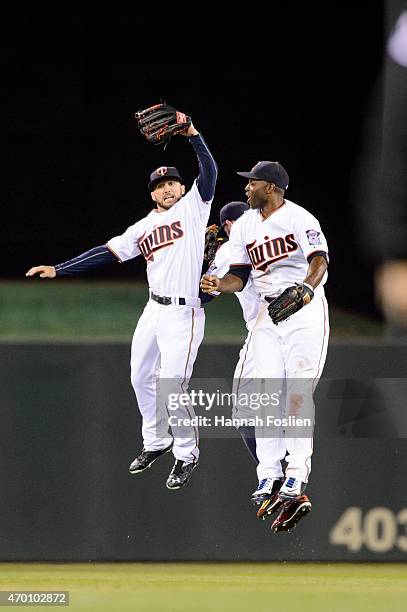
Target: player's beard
x=166, y=206
x=257, y=200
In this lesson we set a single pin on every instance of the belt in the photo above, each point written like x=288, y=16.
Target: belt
x=176, y=300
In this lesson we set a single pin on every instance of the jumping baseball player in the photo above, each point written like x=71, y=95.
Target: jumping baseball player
x=281, y=247
x=171, y=328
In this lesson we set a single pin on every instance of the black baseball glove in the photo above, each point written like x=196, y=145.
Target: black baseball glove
x=160, y=122
x=214, y=237
x=290, y=301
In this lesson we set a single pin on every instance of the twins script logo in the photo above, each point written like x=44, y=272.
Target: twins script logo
x=273, y=249
x=161, y=237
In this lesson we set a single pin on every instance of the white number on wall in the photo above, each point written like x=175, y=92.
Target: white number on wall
x=378, y=530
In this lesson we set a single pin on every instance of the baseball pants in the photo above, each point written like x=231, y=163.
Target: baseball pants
x=291, y=354
x=164, y=348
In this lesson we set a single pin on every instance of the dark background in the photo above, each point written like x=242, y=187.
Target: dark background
x=289, y=83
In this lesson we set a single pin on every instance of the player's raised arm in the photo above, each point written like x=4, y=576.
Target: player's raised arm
x=208, y=169
x=160, y=122
x=94, y=258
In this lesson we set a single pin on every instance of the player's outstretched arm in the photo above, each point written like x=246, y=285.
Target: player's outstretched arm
x=228, y=284
x=43, y=271
x=96, y=257
x=209, y=283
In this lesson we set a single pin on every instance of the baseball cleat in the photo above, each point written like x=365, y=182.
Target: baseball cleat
x=291, y=489
x=180, y=474
x=266, y=489
x=146, y=459
x=269, y=506
x=291, y=513
x=272, y=503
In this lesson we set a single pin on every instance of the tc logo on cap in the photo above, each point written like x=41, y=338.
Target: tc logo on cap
x=162, y=171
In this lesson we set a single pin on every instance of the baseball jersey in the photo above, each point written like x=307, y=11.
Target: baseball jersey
x=172, y=243
x=248, y=298
x=277, y=248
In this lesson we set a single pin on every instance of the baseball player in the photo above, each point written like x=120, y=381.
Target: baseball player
x=281, y=247
x=171, y=328
x=249, y=302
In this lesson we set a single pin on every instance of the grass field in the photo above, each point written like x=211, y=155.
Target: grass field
x=155, y=587
x=35, y=310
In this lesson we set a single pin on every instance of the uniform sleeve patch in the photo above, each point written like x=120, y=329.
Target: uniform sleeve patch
x=313, y=237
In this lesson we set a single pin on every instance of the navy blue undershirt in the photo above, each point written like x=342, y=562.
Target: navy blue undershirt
x=96, y=257
x=208, y=170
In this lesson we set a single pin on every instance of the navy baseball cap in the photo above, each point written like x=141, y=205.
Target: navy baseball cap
x=163, y=173
x=272, y=172
x=232, y=211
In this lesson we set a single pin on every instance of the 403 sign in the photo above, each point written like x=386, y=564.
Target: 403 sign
x=378, y=530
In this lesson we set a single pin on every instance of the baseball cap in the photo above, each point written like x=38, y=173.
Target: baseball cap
x=232, y=211
x=163, y=173
x=272, y=172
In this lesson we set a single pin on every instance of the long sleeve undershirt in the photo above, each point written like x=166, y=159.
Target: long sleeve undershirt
x=208, y=170
x=96, y=257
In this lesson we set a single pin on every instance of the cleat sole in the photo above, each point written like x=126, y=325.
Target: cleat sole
x=133, y=472
x=291, y=523
x=267, y=509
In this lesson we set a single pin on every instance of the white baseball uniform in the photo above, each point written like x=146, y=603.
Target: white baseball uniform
x=168, y=335
x=277, y=250
x=249, y=303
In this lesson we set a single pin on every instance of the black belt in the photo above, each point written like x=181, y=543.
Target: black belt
x=165, y=301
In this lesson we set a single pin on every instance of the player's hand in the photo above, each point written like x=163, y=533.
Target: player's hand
x=43, y=271
x=210, y=283
x=191, y=131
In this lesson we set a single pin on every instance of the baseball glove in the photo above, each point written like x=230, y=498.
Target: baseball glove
x=160, y=122
x=289, y=302
x=213, y=240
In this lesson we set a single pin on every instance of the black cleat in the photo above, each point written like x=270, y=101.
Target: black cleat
x=269, y=507
x=291, y=513
x=180, y=474
x=146, y=459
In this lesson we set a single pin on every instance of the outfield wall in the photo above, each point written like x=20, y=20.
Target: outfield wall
x=70, y=427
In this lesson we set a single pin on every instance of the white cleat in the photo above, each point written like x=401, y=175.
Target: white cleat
x=263, y=491
x=292, y=488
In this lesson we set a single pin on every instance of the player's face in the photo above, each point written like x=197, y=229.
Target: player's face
x=167, y=193
x=256, y=193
